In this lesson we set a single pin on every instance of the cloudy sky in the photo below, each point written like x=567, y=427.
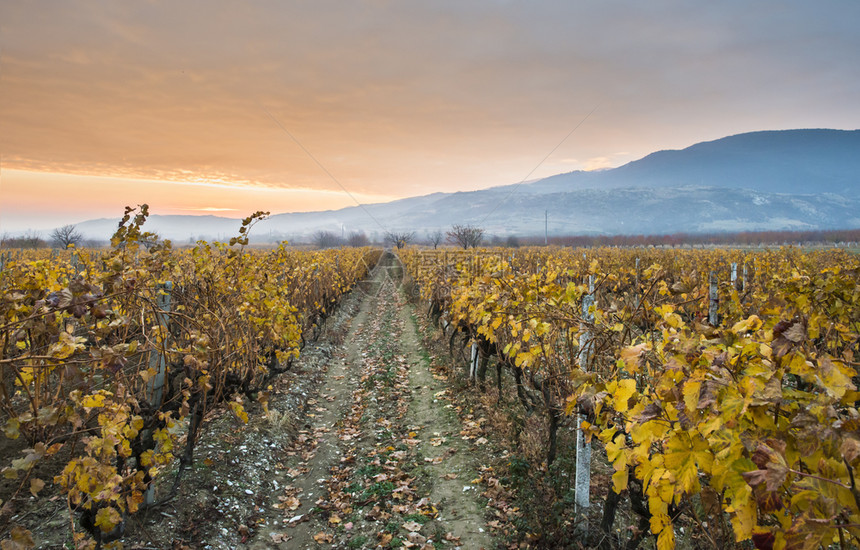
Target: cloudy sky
x=229, y=107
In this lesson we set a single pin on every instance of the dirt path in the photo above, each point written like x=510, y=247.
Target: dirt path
x=445, y=446
x=382, y=462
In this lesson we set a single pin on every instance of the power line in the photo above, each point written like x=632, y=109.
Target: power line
x=318, y=163
x=522, y=181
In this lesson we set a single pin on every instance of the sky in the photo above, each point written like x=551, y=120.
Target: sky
x=223, y=107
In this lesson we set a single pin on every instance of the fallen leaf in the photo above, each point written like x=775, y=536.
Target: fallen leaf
x=36, y=485
x=412, y=526
x=449, y=536
x=323, y=537
x=21, y=539
x=279, y=537
x=292, y=503
x=416, y=538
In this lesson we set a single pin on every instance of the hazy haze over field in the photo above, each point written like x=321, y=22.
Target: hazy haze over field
x=193, y=106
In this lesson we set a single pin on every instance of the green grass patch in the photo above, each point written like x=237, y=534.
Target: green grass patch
x=357, y=541
x=379, y=490
x=369, y=470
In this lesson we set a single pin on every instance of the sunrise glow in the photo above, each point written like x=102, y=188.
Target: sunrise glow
x=228, y=110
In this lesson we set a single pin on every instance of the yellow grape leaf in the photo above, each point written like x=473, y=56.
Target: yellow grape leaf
x=66, y=346
x=648, y=432
x=36, y=485
x=802, y=500
x=799, y=365
x=95, y=400
x=710, y=425
x=12, y=428
x=750, y=324
x=666, y=539
x=684, y=456
x=743, y=519
x=659, y=519
x=622, y=393
x=648, y=468
x=664, y=310
x=832, y=378
x=107, y=518
x=618, y=455
x=691, y=391
x=619, y=480
x=147, y=374
x=631, y=355
x=667, y=312
x=239, y=411
x=543, y=328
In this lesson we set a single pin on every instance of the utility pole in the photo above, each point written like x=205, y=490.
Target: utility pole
x=545, y=226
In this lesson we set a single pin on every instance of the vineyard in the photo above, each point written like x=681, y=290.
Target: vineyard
x=691, y=399
x=720, y=386
x=113, y=359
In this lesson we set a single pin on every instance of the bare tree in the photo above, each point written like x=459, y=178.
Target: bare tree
x=435, y=238
x=67, y=235
x=357, y=239
x=467, y=236
x=399, y=239
x=326, y=239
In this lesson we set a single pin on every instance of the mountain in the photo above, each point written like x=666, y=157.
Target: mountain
x=770, y=180
x=785, y=161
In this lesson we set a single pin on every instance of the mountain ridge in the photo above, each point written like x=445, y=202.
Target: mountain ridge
x=764, y=180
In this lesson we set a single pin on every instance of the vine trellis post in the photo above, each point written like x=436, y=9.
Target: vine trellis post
x=714, y=299
x=582, y=483
x=157, y=362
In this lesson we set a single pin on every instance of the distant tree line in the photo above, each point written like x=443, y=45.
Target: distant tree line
x=748, y=238
x=468, y=236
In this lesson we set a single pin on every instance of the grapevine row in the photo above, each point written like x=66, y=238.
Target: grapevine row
x=747, y=427
x=107, y=355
